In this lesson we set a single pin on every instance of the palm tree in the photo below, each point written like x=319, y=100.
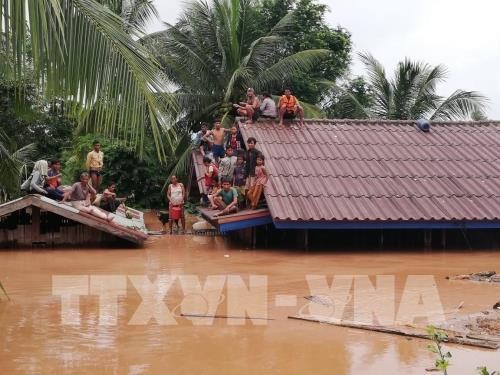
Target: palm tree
x=215, y=51
x=12, y=161
x=411, y=94
x=83, y=52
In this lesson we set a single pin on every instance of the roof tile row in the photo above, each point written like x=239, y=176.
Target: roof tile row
x=380, y=170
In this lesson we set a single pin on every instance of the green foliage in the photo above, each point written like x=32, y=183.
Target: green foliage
x=340, y=103
x=412, y=94
x=439, y=336
x=484, y=371
x=217, y=50
x=309, y=31
x=85, y=54
x=139, y=179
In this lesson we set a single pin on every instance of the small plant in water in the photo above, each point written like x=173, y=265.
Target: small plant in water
x=439, y=336
x=484, y=371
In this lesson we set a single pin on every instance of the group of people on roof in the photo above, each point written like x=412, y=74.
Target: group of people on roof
x=234, y=174
x=253, y=107
x=45, y=179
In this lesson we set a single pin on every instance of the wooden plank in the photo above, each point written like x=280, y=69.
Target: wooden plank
x=35, y=224
x=241, y=215
x=94, y=222
x=15, y=205
x=402, y=331
x=198, y=168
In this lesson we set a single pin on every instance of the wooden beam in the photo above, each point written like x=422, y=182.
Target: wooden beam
x=401, y=331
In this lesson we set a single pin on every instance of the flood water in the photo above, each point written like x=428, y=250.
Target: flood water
x=34, y=340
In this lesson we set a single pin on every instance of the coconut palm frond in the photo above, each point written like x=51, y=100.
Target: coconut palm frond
x=82, y=53
x=382, y=89
x=286, y=67
x=139, y=13
x=459, y=105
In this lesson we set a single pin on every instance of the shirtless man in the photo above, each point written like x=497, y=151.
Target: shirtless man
x=250, y=108
x=218, y=133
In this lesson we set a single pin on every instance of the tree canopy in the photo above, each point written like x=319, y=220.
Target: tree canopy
x=412, y=94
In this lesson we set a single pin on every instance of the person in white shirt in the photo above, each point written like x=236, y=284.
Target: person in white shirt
x=268, y=107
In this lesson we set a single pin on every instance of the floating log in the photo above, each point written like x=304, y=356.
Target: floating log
x=452, y=338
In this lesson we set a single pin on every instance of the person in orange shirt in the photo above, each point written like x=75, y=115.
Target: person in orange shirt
x=289, y=107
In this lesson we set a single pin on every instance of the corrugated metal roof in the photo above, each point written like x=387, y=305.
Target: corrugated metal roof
x=358, y=170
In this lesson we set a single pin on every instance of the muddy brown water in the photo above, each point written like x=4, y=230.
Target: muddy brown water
x=34, y=341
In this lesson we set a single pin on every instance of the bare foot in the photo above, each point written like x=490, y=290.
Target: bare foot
x=280, y=124
x=213, y=207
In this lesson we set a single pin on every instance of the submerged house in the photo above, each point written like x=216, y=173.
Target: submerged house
x=375, y=175
x=35, y=220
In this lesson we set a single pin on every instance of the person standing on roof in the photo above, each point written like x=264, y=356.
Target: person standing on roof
x=289, y=107
x=235, y=141
x=250, y=108
x=218, y=133
x=94, y=164
x=268, y=107
x=251, y=160
x=260, y=180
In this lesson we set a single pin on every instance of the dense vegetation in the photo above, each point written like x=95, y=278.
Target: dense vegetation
x=75, y=70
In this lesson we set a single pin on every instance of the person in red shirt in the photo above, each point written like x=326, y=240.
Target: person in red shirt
x=289, y=107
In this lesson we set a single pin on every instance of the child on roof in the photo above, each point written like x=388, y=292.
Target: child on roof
x=258, y=183
x=227, y=164
x=215, y=190
x=240, y=179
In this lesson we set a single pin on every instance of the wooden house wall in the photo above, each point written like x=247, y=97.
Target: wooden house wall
x=32, y=227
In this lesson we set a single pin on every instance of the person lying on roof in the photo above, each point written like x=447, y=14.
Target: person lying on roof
x=36, y=181
x=79, y=196
x=289, y=107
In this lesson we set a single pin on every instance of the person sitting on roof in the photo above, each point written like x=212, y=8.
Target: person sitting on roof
x=36, y=181
x=250, y=108
x=109, y=201
x=79, y=196
x=268, y=107
x=289, y=107
x=257, y=187
x=215, y=190
x=226, y=199
x=53, y=181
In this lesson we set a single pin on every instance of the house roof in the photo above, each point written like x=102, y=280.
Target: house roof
x=378, y=171
x=120, y=227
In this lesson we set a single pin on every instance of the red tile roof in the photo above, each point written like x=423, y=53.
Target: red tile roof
x=360, y=170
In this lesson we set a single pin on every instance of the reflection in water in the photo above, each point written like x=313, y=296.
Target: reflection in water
x=34, y=341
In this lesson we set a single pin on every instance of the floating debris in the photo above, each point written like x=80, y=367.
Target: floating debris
x=465, y=335
x=321, y=300
x=484, y=276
